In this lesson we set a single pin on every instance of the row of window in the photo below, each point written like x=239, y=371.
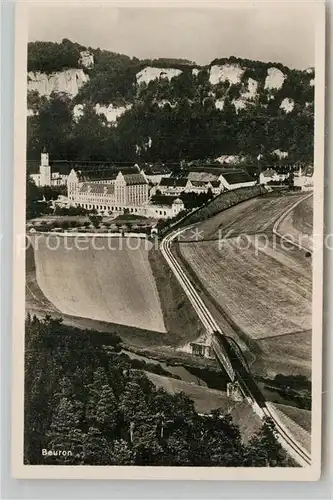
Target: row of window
x=90, y=206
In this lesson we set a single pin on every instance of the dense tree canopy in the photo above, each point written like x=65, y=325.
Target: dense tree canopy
x=82, y=395
x=49, y=57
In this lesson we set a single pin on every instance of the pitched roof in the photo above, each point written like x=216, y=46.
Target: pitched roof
x=199, y=183
x=95, y=188
x=308, y=171
x=134, y=179
x=215, y=169
x=269, y=172
x=162, y=200
x=100, y=174
x=178, y=201
x=237, y=177
x=202, y=177
x=156, y=170
x=173, y=182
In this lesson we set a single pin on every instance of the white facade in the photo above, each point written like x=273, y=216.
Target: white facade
x=199, y=187
x=271, y=175
x=45, y=177
x=238, y=185
x=173, y=186
x=305, y=182
x=201, y=182
x=126, y=191
x=164, y=211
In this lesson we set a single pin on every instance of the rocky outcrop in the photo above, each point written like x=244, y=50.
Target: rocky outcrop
x=219, y=104
x=280, y=154
x=111, y=112
x=68, y=81
x=227, y=72
x=274, y=79
x=287, y=104
x=150, y=73
x=86, y=59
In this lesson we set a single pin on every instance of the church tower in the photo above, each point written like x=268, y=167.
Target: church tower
x=72, y=185
x=45, y=169
x=120, y=190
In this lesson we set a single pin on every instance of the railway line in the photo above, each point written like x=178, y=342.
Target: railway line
x=228, y=357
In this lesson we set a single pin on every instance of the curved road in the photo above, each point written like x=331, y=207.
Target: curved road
x=280, y=219
x=300, y=455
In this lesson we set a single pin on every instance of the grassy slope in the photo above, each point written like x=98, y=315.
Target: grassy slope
x=303, y=216
x=302, y=436
x=264, y=297
x=180, y=318
x=206, y=399
x=287, y=354
x=301, y=417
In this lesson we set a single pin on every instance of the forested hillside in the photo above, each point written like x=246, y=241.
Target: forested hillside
x=82, y=395
x=92, y=104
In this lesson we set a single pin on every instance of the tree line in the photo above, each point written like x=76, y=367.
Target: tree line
x=187, y=131
x=48, y=57
x=173, y=119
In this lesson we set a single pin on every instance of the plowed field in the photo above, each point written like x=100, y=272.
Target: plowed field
x=263, y=295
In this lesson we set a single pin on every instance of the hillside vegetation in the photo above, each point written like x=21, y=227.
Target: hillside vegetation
x=126, y=109
x=82, y=395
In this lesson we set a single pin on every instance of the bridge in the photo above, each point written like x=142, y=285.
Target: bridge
x=230, y=356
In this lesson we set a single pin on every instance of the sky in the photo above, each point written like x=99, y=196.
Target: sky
x=284, y=33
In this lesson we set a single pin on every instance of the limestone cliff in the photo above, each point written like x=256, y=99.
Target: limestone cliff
x=229, y=108
x=68, y=81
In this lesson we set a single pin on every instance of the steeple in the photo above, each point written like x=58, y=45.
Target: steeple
x=45, y=169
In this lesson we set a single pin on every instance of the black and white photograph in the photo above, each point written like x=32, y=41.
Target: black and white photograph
x=169, y=206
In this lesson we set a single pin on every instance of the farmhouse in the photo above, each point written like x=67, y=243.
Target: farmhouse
x=219, y=178
x=204, y=186
x=45, y=177
x=204, y=179
x=270, y=175
x=236, y=180
x=168, y=207
x=155, y=173
x=172, y=186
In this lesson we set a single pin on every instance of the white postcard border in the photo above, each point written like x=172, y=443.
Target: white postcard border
x=19, y=469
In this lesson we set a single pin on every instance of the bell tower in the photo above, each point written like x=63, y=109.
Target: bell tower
x=45, y=169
